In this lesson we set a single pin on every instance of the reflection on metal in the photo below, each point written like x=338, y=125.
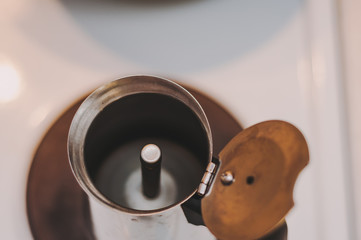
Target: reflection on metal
x=207, y=179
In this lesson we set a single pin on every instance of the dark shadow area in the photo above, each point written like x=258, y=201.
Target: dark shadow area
x=278, y=234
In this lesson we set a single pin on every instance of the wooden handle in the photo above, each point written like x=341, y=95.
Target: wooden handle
x=253, y=189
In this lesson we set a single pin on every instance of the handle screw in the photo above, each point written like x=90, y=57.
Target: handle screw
x=227, y=178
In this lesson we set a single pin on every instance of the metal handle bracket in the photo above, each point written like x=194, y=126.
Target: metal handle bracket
x=208, y=177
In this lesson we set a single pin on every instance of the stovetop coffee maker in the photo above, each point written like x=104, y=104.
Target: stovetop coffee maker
x=141, y=148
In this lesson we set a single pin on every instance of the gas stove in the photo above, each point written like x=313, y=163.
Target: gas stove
x=261, y=61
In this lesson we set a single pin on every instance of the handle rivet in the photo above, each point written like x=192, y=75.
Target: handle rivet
x=227, y=178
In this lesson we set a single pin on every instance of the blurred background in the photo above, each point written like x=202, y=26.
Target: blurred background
x=295, y=60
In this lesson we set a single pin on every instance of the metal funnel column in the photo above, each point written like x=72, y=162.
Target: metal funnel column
x=151, y=159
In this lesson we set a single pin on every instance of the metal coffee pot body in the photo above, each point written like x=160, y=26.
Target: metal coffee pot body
x=110, y=156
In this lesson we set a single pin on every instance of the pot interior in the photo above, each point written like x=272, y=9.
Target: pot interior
x=119, y=132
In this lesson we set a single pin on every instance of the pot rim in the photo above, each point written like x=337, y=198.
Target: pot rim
x=107, y=94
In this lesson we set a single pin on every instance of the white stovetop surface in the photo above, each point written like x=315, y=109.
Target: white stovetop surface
x=261, y=59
